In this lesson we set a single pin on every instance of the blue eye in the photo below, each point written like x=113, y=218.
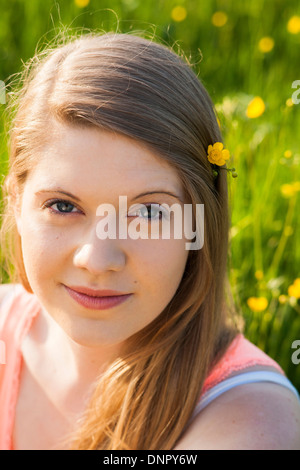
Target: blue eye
x=147, y=212
x=64, y=207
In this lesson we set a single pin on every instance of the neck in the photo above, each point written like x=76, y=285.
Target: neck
x=65, y=370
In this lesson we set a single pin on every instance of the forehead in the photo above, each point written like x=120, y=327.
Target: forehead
x=89, y=155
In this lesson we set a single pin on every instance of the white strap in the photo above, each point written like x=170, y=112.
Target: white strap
x=241, y=379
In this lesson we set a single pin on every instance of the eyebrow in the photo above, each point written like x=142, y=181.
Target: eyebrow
x=59, y=190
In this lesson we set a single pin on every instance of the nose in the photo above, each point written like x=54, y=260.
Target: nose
x=98, y=255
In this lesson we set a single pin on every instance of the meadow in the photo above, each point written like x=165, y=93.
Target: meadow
x=248, y=56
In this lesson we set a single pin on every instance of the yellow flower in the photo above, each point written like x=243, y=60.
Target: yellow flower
x=288, y=154
x=282, y=299
x=289, y=190
x=255, y=108
x=266, y=44
x=259, y=275
x=289, y=102
x=293, y=25
x=82, y=3
x=216, y=155
x=257, y=304
x=294, y=289
x=179, y=14
x=219, y=19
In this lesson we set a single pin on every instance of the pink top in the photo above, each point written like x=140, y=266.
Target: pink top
x=17, y=313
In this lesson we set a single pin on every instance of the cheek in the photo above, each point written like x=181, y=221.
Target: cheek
x=161, y=264
x=42, y=245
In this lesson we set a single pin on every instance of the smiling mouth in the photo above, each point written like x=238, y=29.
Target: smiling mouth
x=97, y=302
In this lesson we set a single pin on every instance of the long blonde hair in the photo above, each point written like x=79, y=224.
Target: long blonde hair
x=142, y=89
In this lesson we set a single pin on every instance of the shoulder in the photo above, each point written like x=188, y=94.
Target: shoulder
x=256, y=416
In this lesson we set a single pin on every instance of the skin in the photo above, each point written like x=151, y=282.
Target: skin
x=76, y=342
x=256, y=416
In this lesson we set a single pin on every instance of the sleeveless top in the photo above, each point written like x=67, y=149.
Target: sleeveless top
x=18, y=310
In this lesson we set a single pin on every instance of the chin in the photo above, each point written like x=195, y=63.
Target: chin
x=88, y=334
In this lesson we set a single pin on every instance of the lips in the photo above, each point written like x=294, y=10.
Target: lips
x=106, y=300
x=96, y=293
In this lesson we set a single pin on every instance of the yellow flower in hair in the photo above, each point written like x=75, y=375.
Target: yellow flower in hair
x=217, y=155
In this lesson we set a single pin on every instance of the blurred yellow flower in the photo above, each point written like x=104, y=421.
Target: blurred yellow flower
x=179, y=14
x=290, y=189
x=259, y=275
x=219, y=19
x=257, y=304
x=282, y=299
x=289, y=102
x=293, y=25
x=288, y=154
x=255, y=108
x=287, y=190
x=82, y=3
x=266, y=44
x=294, y=289
x=216, y=155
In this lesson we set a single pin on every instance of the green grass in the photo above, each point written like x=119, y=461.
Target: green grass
x=265, y=249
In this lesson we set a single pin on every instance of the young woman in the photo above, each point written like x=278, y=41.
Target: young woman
x=124, y=342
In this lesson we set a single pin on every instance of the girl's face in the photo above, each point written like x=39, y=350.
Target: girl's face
x=60, y=232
